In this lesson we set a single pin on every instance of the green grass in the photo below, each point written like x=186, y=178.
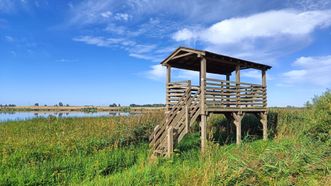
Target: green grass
x=114, y=151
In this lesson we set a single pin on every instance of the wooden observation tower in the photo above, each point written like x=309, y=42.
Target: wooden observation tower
x=187, y=103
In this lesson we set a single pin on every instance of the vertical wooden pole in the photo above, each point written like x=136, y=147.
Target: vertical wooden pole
x=264, y=116
x=170, y=141
x=238, y=132
x=227, y=88
x=168, y=80
x=264, y=122
x=238, y=85
x=264, y=78
x=237, y=117
x=264, y=87
x=203, y=122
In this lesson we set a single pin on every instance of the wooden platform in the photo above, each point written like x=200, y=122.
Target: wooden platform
x=187, y=103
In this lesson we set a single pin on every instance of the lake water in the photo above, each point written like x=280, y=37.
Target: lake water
x=29, y=115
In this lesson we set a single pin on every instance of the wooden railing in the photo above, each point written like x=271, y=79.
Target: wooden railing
x=230, y=94
x=181, y=114
x=175, y=91
x=174, y=116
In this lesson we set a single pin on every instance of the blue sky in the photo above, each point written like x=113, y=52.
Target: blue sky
x=102, y=52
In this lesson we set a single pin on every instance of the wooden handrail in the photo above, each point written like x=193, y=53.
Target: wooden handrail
x=222, y=93
x=233, y=82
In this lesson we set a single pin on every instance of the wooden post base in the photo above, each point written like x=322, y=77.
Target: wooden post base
x=237, y=117
x=203, y=126
x=264, y=121
x=170, y=141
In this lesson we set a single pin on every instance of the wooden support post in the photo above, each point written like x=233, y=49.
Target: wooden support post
x=168, y=80
x=170, y=141
x=237, y=117
x=227, y=88
x=238, y=85
x=264, y=87
x=264, y=121
x=203, y=122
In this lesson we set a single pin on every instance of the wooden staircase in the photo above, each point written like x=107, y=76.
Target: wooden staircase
x=179, y=118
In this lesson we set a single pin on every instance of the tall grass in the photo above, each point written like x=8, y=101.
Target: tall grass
x=54, y=150
x=114, y=151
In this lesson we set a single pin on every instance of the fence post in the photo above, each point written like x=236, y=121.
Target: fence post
x=170, y=141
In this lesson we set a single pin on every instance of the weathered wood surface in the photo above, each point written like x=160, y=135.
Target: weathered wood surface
x=186, y=104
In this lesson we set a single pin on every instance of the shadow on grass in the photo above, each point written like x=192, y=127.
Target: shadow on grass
x=223, y=132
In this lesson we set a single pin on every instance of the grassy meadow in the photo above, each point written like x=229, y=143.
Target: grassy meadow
x=114, y=151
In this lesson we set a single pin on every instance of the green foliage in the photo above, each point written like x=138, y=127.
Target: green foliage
x=321, y=108
x=89, y=109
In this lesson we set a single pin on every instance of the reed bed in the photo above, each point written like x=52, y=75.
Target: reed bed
x=114, y=151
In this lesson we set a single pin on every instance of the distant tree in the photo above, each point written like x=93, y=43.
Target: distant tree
x=113, y=105
x=45, y=105
x=119, y=105
x=308, y=104
x=36, y=104
x=60, y=104
x=67, y=105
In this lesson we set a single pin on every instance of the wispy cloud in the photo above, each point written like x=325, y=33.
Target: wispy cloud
x=314, y=70
x=254, y=74
x=90, y=12
x=9, y=39
x=7, y=6
x=150, y=52
x=14, y=6
x=312, y=4
x=103, y=41
x=64, y=60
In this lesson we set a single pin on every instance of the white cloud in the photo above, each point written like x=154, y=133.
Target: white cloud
x=122, y=16
x=184, y=34
x=157, y=72
x=310, y=70
x=106, y=14
x=150, y=52
x=102, y=41
x=260, y=36
x=90, y=12
x=255, y=74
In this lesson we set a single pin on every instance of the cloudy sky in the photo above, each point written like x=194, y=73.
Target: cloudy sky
x=105, y=51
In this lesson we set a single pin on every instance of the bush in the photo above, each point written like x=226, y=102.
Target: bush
x=321, y=108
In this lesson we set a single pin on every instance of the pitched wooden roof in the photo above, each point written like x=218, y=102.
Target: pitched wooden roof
x=189, y=59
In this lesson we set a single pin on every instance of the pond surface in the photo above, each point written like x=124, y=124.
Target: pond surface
x=10, y=116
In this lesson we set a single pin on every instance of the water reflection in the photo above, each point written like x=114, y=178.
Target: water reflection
x=9, y=116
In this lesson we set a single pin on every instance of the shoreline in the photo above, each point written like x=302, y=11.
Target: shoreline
x=79, y=108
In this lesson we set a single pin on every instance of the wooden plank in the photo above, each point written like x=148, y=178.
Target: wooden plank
x=182, y=55
x=231, y=82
